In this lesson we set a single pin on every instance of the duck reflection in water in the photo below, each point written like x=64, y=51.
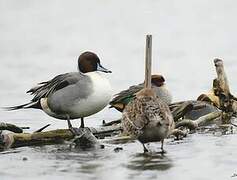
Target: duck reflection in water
x=150, y=161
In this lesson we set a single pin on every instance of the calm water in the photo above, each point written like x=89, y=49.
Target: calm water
x=40, y=39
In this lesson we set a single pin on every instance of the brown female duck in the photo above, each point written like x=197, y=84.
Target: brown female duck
x=147, y=118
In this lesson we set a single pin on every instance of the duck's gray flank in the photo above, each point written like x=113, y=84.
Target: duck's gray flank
x=45, y=89
x=77, y=89
x=60, y=88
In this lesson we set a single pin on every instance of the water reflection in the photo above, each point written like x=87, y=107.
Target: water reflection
x=65, y=152
x=149, y=161
x=84, y=163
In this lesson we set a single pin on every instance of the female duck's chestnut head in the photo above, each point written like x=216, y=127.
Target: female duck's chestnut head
x=157, y=80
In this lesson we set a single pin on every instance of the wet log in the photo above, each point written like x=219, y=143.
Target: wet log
x=195, y=103
x=13, y=140
x=118, y=139
x=179, y=133
x=10, y=127
x=202, y=121
x=200, y=109
x=181, y=110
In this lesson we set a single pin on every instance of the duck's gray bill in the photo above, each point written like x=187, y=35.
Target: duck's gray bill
x=101, y=68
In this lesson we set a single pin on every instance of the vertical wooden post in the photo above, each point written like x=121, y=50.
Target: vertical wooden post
x=222, y=90
x=221, y=77
x=148, y=58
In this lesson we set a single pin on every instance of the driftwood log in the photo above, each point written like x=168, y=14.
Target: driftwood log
x=219, y=97
x=14, y=140
x=202, y=121
x=220, y=94
x=10, y=127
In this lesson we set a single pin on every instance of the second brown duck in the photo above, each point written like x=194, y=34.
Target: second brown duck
x=121, y=99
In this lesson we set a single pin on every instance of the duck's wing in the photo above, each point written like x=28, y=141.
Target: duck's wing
x=165, y=114
x=44, y=89
x=124, y=97
x=133, y=118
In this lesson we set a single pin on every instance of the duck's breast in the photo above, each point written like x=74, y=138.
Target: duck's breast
x=98, y=98
x=154, y=131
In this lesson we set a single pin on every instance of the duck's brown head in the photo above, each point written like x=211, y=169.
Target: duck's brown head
x=157, y=80
x=89, y=62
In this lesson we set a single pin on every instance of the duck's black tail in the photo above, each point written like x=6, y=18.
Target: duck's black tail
x=31, y=104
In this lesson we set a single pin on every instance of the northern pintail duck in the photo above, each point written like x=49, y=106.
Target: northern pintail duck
x=124, y=97
x=73, y=95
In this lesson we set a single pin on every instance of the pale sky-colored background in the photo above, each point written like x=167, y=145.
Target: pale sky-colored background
x=41, y=39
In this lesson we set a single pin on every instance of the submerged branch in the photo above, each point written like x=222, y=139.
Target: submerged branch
x=202, y=121
x=10, y=127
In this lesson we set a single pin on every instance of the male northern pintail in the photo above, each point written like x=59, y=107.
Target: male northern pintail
x=73, y=95
x=124, y=97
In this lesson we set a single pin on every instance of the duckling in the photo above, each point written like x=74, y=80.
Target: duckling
x=73, y=95
x=124, y=97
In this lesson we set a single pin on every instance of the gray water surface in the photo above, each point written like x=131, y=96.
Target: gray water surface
x=41, y=39
x=196, y=157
